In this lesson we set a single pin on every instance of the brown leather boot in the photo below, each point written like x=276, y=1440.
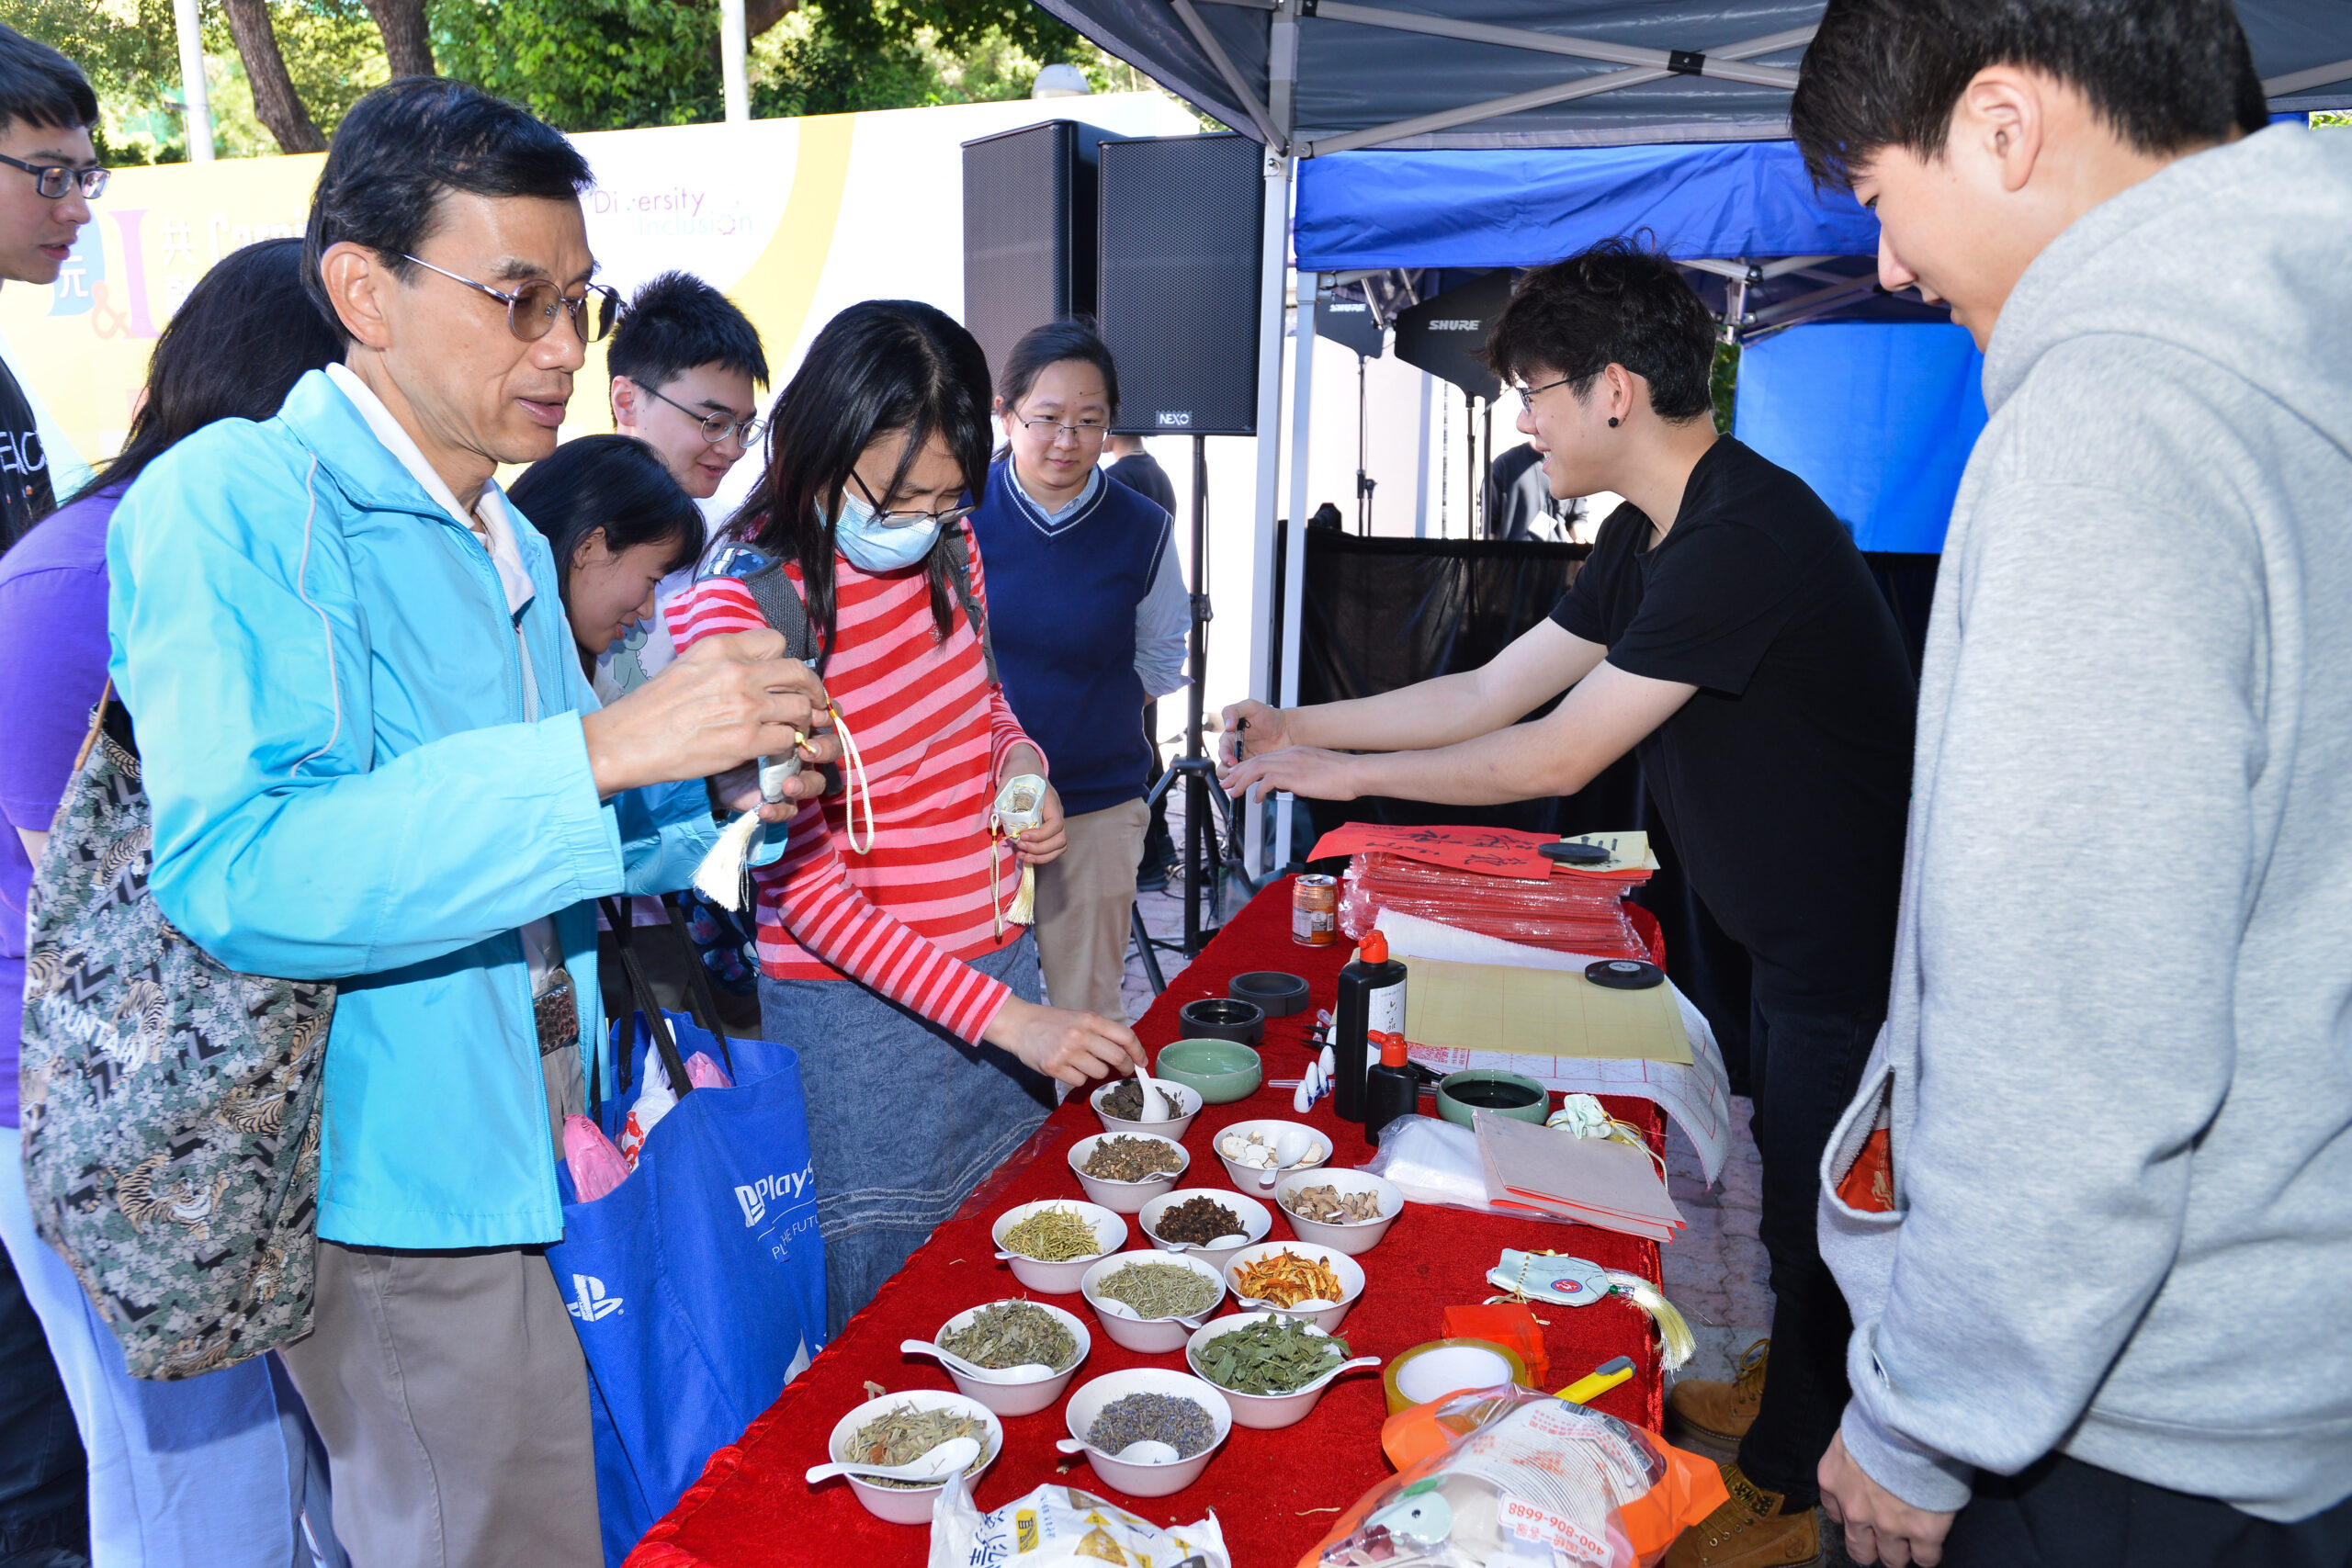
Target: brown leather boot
x=1721, y=1413
x=1748, y=1532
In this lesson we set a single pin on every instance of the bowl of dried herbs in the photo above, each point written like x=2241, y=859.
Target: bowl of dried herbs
x=1052, y=1241
x=1123, y=1171
x=1152, y=1301
x=899, y=1429
x=1015, y=1334
x=1270, y=1366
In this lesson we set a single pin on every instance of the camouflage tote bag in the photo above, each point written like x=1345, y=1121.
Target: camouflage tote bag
x=171, y=1105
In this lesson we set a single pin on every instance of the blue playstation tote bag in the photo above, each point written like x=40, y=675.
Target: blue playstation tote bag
x=698, y=1284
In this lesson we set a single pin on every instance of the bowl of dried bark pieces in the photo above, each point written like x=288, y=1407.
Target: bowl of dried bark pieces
x=1347, y=1210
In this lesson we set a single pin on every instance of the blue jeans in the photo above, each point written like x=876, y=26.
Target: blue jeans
x=904, y=1119
x=1804, y=1068
x=44, y=1485
x=221, y=1470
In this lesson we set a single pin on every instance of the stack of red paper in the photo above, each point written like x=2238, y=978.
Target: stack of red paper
x=1492, y=881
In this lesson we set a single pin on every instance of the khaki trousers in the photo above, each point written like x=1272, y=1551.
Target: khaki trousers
x=453, y=1399
x=1083, y=904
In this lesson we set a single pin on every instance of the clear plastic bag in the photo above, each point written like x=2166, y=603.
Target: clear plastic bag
x=1566, y=913
x=1060, y=1527
x=1499, y=1477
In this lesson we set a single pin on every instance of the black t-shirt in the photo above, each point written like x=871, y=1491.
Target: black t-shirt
x=1141, y=473
x=1785, y=779
x=25, y=495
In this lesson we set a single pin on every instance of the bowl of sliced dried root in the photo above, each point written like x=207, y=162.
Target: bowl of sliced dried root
x=899, y=1429
x=1348, y=1211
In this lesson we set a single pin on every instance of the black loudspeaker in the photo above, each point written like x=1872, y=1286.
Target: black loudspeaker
x=1350, y=323
x=1029, y=231
x=1181, y=228
x=1445, y=335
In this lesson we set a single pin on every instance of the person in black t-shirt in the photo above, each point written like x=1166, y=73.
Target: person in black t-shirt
x=1726, y=628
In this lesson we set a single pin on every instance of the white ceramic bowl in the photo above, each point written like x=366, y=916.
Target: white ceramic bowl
x=1350, y=1271
x=1019, y=1398
x=1251, y=1179
x=1147, y=1479
x=1151, y=1336
x=1258, y=1222
x=1126, y=1197
x=1183, y=1094
x=1059, y=1278
x=1353, y=1237
x=1263, y=1411
x=908, y=1504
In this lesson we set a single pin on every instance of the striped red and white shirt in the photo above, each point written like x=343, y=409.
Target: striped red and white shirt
x=933, y=732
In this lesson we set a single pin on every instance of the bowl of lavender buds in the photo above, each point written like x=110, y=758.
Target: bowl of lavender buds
x=899, y=1429
x=1123, y=1171
x=1119, y=1106
x=1147, y=1405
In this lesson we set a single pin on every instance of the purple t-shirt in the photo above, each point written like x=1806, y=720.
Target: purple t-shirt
x=53, y=632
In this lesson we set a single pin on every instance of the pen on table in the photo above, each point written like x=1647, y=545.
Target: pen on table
x=1599, y=1381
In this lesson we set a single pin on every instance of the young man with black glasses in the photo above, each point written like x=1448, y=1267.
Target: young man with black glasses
x=372, y=756
x=1726, y=628
x=2113, y=1083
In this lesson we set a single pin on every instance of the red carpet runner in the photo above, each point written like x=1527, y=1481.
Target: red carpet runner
x=1274, y=1491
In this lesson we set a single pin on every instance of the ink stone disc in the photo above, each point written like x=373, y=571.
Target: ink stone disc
x=1575, y=853
x=1624, y=973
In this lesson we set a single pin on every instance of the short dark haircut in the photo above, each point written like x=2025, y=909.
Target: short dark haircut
x=1073, y=337
x=881, y=366
x=405, y=145
x=676, y=322
x=2164, y=73
x=617, y=484
x=40, y=86
x=1614, y=304
x=245, y=333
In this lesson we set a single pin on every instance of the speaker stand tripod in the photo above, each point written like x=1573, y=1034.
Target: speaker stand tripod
x=1209, y=852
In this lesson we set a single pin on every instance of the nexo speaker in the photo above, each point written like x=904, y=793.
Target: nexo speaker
x=1029, y=231
x=1180, y=227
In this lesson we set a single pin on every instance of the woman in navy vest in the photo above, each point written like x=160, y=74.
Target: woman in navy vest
x=1089, y=613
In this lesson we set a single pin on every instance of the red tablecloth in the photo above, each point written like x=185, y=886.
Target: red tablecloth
x=1272, y=1491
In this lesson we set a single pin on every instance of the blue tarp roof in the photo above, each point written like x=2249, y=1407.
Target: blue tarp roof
x=1524, y=207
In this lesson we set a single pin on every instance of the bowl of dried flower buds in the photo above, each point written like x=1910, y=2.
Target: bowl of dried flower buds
x=1207, y=1222
x=899, y=1429
x=1123, y=1171
x=1348, y=1211
x=1300, y=1278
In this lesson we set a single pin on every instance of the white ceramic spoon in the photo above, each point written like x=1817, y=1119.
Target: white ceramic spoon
x=1312, y=1303
x=1104, y=1303
x=1155, y=1109
x=1027, y=1371
x=1144, y=1450
x=1237, y=1238
x=1025, y=1257
x=937, y=1465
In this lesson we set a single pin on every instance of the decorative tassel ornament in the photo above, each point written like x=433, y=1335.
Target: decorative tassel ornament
x=725, y=877
x=1020, y=805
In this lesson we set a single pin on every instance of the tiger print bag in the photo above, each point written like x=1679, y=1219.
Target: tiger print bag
x=170, y=1105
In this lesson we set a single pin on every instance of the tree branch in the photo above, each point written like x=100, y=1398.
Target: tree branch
x=408, y=42
x=759, y=16
x=276, y=102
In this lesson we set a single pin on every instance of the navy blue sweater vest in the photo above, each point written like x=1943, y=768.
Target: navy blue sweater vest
x=1062, y=604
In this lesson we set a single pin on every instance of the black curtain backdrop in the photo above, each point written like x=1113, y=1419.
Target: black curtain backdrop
x=1384, y=612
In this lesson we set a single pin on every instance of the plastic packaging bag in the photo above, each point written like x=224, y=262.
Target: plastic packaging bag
x=1437, y=1162
x=704, y=1072
x=1500, y=1477
x=653, y=1102
x=1060, y=1527
x=596, y=1166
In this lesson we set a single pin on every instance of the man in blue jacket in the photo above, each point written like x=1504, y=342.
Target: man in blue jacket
x=372, y=756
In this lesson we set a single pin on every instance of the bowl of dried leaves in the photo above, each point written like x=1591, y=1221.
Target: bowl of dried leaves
x=1271, y=1368
x=1009, y=1333
x=1119, y=1106
x=1152, y=1301
x=1207, y=1222
x=1348, y=1211
x=899, y=1429
x=1299, y=1278
x=1052, y=1241
x=1123, y=1171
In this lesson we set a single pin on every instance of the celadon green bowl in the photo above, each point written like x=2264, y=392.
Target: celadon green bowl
x=1538, y=1099
x=1219, y=1071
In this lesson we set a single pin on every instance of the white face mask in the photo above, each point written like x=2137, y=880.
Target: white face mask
x=870, y=547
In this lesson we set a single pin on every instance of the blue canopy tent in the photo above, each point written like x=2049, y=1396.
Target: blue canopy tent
x=1875, y=401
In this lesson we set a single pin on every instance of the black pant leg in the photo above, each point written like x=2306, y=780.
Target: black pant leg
x=2062, y=1513
x=1804, y=1068
x=45, y=1485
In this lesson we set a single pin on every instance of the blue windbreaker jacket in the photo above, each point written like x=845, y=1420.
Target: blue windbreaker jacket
x=320, y=666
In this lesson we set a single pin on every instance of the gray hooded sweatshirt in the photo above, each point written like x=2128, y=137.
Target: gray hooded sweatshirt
x=2117, y=1065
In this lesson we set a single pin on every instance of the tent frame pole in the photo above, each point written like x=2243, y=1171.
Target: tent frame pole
x=1273, y=271
x=1301, y=380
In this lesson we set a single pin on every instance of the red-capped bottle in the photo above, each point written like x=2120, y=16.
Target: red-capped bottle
x=1389, y=1091
x=1372, y=1002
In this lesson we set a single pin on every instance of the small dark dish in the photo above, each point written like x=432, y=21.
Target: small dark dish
x=1221, y=1017
x=1278, y=994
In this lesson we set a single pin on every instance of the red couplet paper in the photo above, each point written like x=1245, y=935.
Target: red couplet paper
x=1493, y=852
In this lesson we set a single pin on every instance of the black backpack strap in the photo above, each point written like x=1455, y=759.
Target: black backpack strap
x=959, y=557
x=780, y=602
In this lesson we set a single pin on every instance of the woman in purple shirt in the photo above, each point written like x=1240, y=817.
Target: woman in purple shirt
x=181, y=1474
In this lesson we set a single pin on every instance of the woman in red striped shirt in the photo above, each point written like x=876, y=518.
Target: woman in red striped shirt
x=925, y=1053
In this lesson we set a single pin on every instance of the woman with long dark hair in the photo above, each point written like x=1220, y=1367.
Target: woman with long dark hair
x=1092, y=626
x=176, y=1468
x=888, y=963
x=618, y=523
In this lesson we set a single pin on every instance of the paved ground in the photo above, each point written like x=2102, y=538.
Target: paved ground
x=1715, y=1272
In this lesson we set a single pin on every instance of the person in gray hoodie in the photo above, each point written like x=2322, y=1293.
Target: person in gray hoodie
x=2098, y=1264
